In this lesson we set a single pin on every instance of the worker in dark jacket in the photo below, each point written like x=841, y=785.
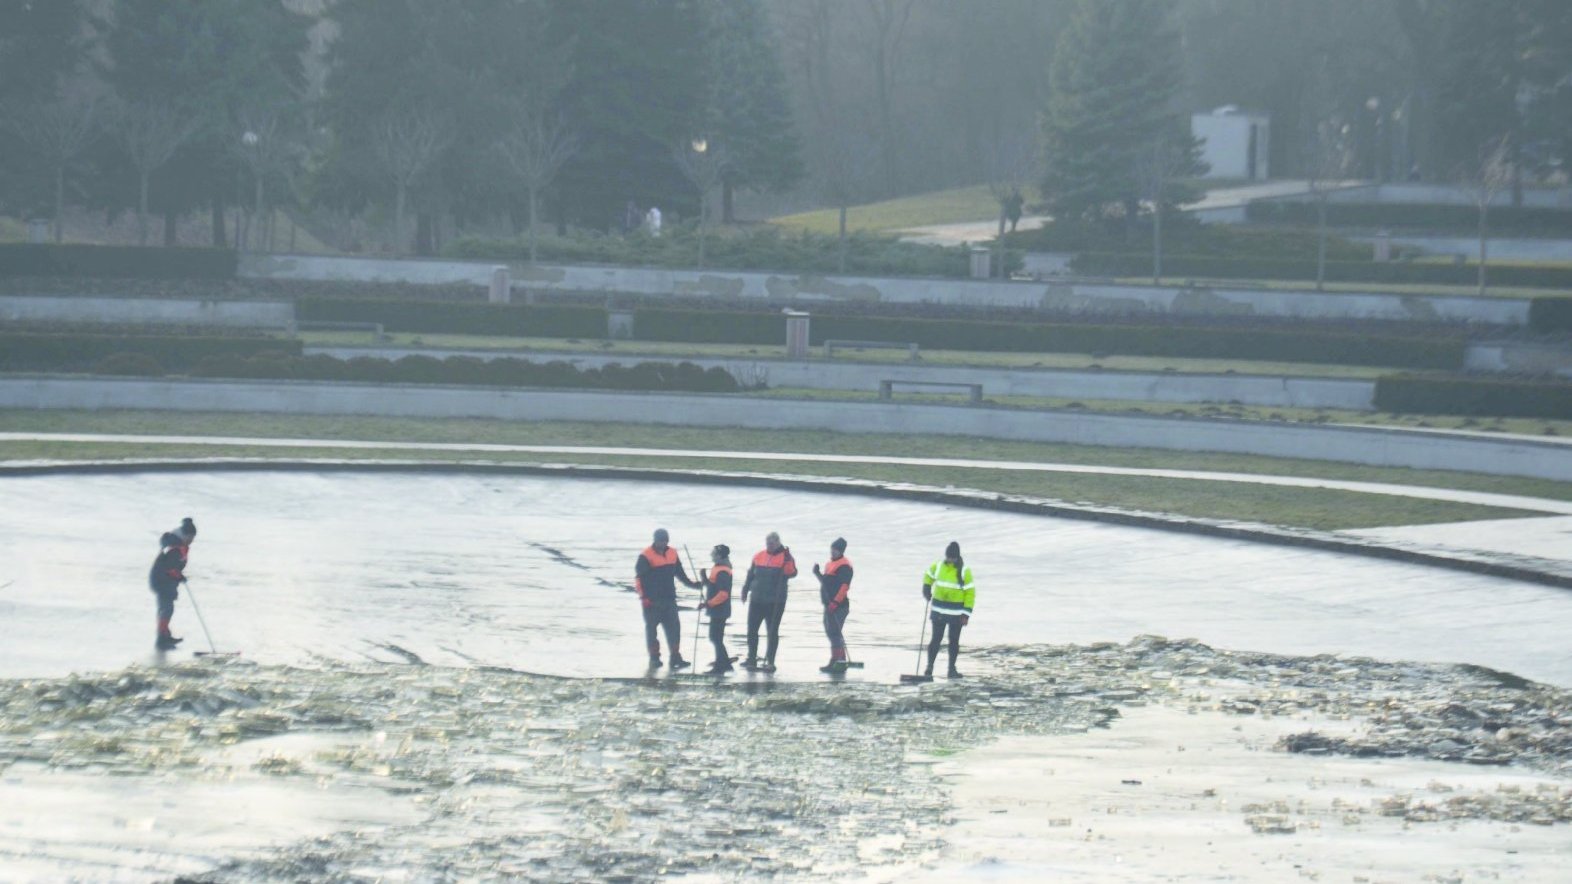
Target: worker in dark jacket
x=772, y=567
x=716, y=603
x=166, y=575
x=655, y=576
x=834, y=591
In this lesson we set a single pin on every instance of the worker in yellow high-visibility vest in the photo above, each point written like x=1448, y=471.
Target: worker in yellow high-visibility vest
x=948, y=586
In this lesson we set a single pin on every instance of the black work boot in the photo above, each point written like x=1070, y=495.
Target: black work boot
x=955, y=673
x=166, y=642
x=679, y=663
x=654, y=662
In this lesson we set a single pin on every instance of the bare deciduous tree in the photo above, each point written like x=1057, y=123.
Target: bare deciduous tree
x=889, y=19
x=704, y=165
x=151, y=133
x=536, y=147
x=843, y=175
x=1011, y=168
x=59, y=131
x=1156, y=167
x=1484, y=181
x=1327, y=157
x=407, y=145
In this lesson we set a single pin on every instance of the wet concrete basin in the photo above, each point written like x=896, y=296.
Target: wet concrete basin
x=534, y=574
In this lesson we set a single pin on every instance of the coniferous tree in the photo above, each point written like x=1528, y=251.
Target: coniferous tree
x=747, y=110
x=1113, y=89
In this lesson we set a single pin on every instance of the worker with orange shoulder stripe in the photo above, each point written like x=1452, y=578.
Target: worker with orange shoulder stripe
x=656, y=573
x=717, y=603
x=772, y=567
x=834, y=593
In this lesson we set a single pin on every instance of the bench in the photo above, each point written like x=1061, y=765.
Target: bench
x=829, y=347
x=886, y=388
x=374, y=327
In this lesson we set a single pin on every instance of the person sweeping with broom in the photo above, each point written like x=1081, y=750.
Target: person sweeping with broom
x=166, y=575
x=834, y=593
x=948, y=587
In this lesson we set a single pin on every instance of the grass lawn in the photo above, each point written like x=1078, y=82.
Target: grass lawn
x=1307, y=508
x=929, y=357
x=955, y=206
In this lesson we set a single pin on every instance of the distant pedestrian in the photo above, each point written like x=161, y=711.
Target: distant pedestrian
x=656, y=573
x=772, y=567
x=166, y=575
x=834, y=593
x=948, y=586
x=1012, y=207
x=631, y=217
x=652, y=220
x=717, y=604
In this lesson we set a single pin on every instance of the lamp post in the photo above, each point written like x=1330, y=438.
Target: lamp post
x=252, y=142
x=1378, y=137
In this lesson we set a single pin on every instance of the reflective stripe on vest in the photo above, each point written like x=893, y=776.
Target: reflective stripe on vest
x=952, y=592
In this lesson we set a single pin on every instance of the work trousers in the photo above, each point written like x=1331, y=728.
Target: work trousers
x=941, y=623
x=768, y=614
x=663, y=615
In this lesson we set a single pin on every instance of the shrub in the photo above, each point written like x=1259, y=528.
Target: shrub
x=764, y=248
x=1529, y=220
x=522, y=320
x=138, y=262
x=1461, y=394
x=138, y=364
x=1550, y=314
x=1129, y=265
x=71, y=352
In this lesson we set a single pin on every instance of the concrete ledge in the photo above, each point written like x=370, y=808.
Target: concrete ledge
x=1253, y=532
x=1086, y=296
x=1375, y=447
x=148, y=311
x=1045, y=383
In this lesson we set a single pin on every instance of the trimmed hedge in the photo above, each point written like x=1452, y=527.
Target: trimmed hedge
x=766, y=329
x=1550, y=314
x=1197, y=342
x=1454, y=394
x=1504, y=220
x=1185, y=236
x=469, y=371
x=1129, y=265
x=522, y=320
x=764, y=248
x=134, y=262
x=46, y=352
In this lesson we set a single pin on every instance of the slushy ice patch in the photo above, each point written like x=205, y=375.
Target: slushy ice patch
x=533, y=776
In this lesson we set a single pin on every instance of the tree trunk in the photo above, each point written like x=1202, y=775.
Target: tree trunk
x=840, y=262
x=532, y=235
x=1000, y=241
x=1320, y=244
x=728, y=210
x=220, y=238
x=141, y=209
x=398, y=219
x=171, y=234
x=258, y=240
x=59, y=201
x=1484, y=241
x=1157, y=244
x=702, y=212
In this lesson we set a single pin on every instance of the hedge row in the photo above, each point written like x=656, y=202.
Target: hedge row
x=1196, y=342
x=1124, y=265
x=1185, y=236
x=1504, y=220
x=1550, y=314
x=456, y=370
x=450, y=317
x=737, y=327
x=135, y=262
x=764, y=249
x=53, y=352
x=1494, y=397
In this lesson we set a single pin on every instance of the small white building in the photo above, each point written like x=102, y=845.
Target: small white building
x=1234, y=143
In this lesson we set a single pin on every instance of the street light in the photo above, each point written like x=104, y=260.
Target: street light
x=700, y=145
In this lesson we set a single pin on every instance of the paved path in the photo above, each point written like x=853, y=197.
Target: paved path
x=1510, y=501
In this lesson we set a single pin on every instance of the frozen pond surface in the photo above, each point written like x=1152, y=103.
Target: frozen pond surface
x=529, y=746
x=534, y=574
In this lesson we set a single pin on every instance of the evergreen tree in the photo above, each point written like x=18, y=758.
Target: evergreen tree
x=637, y=90
x=40, y=45
x=1483, y=48
x=216, y=65
x=1113, y=89
x=747, y=110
